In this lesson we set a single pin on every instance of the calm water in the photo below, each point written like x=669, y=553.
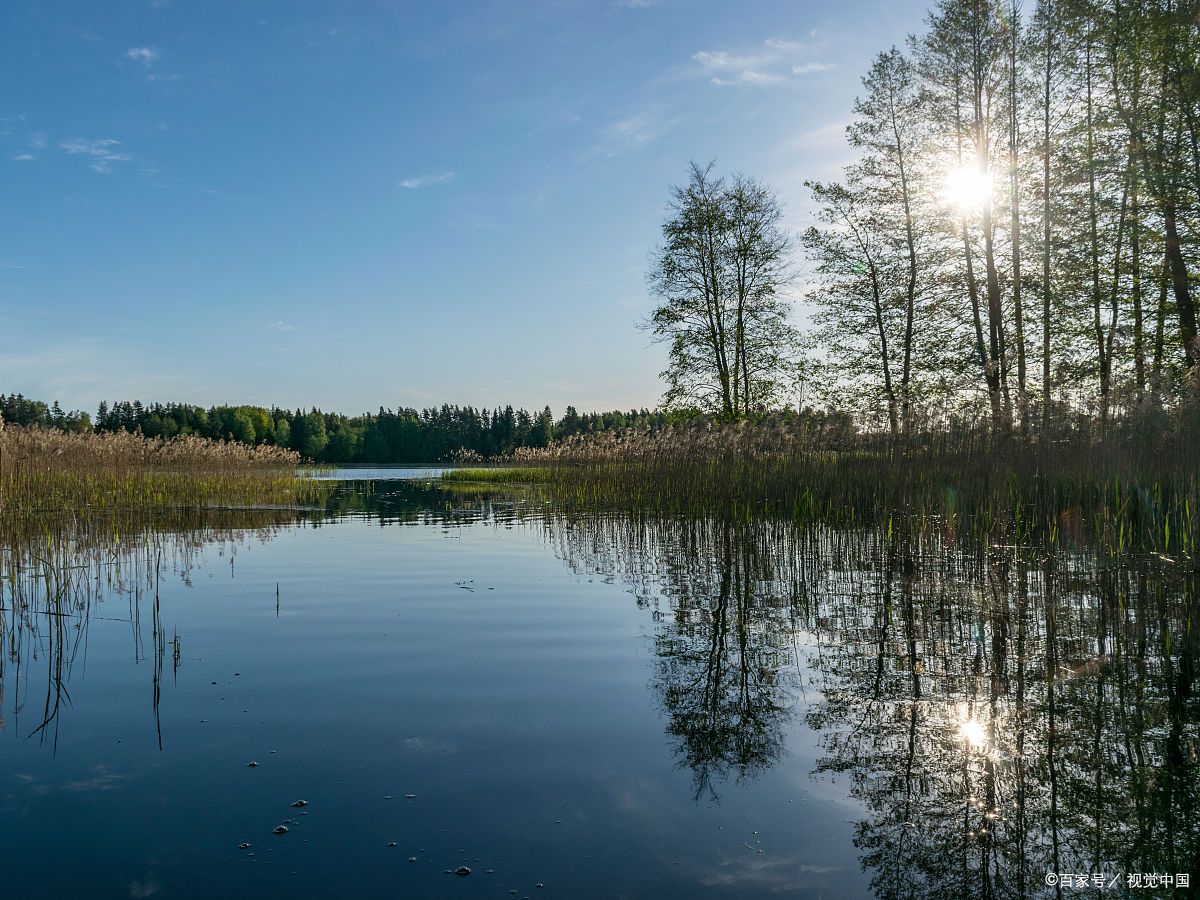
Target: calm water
x=581, y=704
x=380, y=473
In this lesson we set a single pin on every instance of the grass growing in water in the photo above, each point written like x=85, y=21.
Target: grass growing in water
x=505, y=475
x=1121, y=494
x=46, y=471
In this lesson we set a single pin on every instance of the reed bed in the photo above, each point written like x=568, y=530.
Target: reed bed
x=61, y=491
x=45, y=472
x=1121, y=493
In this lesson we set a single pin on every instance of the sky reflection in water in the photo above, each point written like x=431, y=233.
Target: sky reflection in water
x=600, y=704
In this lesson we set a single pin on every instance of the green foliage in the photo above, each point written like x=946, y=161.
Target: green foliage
x=1016, y=237
x=401, y=436
x=503, y=475
x=16, y=409
x=718, y=276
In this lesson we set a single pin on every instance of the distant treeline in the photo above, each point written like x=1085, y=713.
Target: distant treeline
x=401, y=435
x=18, y=410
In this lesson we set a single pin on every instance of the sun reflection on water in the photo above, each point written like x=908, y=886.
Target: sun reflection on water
x=971, y=730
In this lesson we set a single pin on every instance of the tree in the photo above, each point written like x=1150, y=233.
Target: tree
x=857, y=296
x=309, y=435
x=961, y=60
x=718, y=277
x=868, y=245
x=543, y=429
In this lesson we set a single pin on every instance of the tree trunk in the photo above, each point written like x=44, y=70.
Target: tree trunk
x=1102, y=363
x=1135, y=264
x=1047, y=245
x=1015, y=202
x=1105, y=337
x=1179, y=285
x=910, y=294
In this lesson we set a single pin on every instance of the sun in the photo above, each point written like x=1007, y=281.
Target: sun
x=972, y=731
x=967, y=189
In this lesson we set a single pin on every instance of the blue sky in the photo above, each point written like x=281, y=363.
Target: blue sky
x=355, y=204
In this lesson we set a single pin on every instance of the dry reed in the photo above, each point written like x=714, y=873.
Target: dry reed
x=47, y=472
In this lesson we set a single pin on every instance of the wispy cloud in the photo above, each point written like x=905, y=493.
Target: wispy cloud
x=7, y=123
x=147, y=888
x=147, y=56
x=775, y=61
x=103, y=152
x=724, y=68
x=280, y=325
x=101, y=780
x=34, y=141
x=635, y=130
x=83, y=371
x=830, y=136
x=421, y=181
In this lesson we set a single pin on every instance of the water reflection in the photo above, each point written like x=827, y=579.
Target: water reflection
x=1001, y=712
x=998, y=712
x=56, y=581
x=58, y=577
x=726, y=673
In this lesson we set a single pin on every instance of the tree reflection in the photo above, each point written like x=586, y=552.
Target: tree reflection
x=719, y=673
x=1001, y=712
x=725, y=663
x=55, y=573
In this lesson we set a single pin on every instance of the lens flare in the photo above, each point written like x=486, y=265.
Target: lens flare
x=967, y=189
x=973, y=733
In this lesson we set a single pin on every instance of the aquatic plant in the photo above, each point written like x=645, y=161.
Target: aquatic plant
x=1122, y=493
x=45, y=471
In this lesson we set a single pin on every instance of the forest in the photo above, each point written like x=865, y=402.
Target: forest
x=1014, y=246
x=404, y=435
x=1017, y=238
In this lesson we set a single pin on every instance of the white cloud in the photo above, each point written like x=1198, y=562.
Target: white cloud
x=24, y=157
x=147, y=56
x=280, y=325
x=831, y=136
x=421, y=181
x=748, y=76
x=103, y=152
x=635, y=130
x=724, y=61
x=774, y=62
x=37, y=140
x=783, y=45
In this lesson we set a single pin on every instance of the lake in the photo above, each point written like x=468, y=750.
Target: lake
x=579, y=702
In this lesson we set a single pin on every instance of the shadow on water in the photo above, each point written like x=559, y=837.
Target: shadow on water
x=998, y=711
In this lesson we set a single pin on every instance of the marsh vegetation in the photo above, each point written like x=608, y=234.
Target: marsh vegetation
x=983, y=710
x=50, y=472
